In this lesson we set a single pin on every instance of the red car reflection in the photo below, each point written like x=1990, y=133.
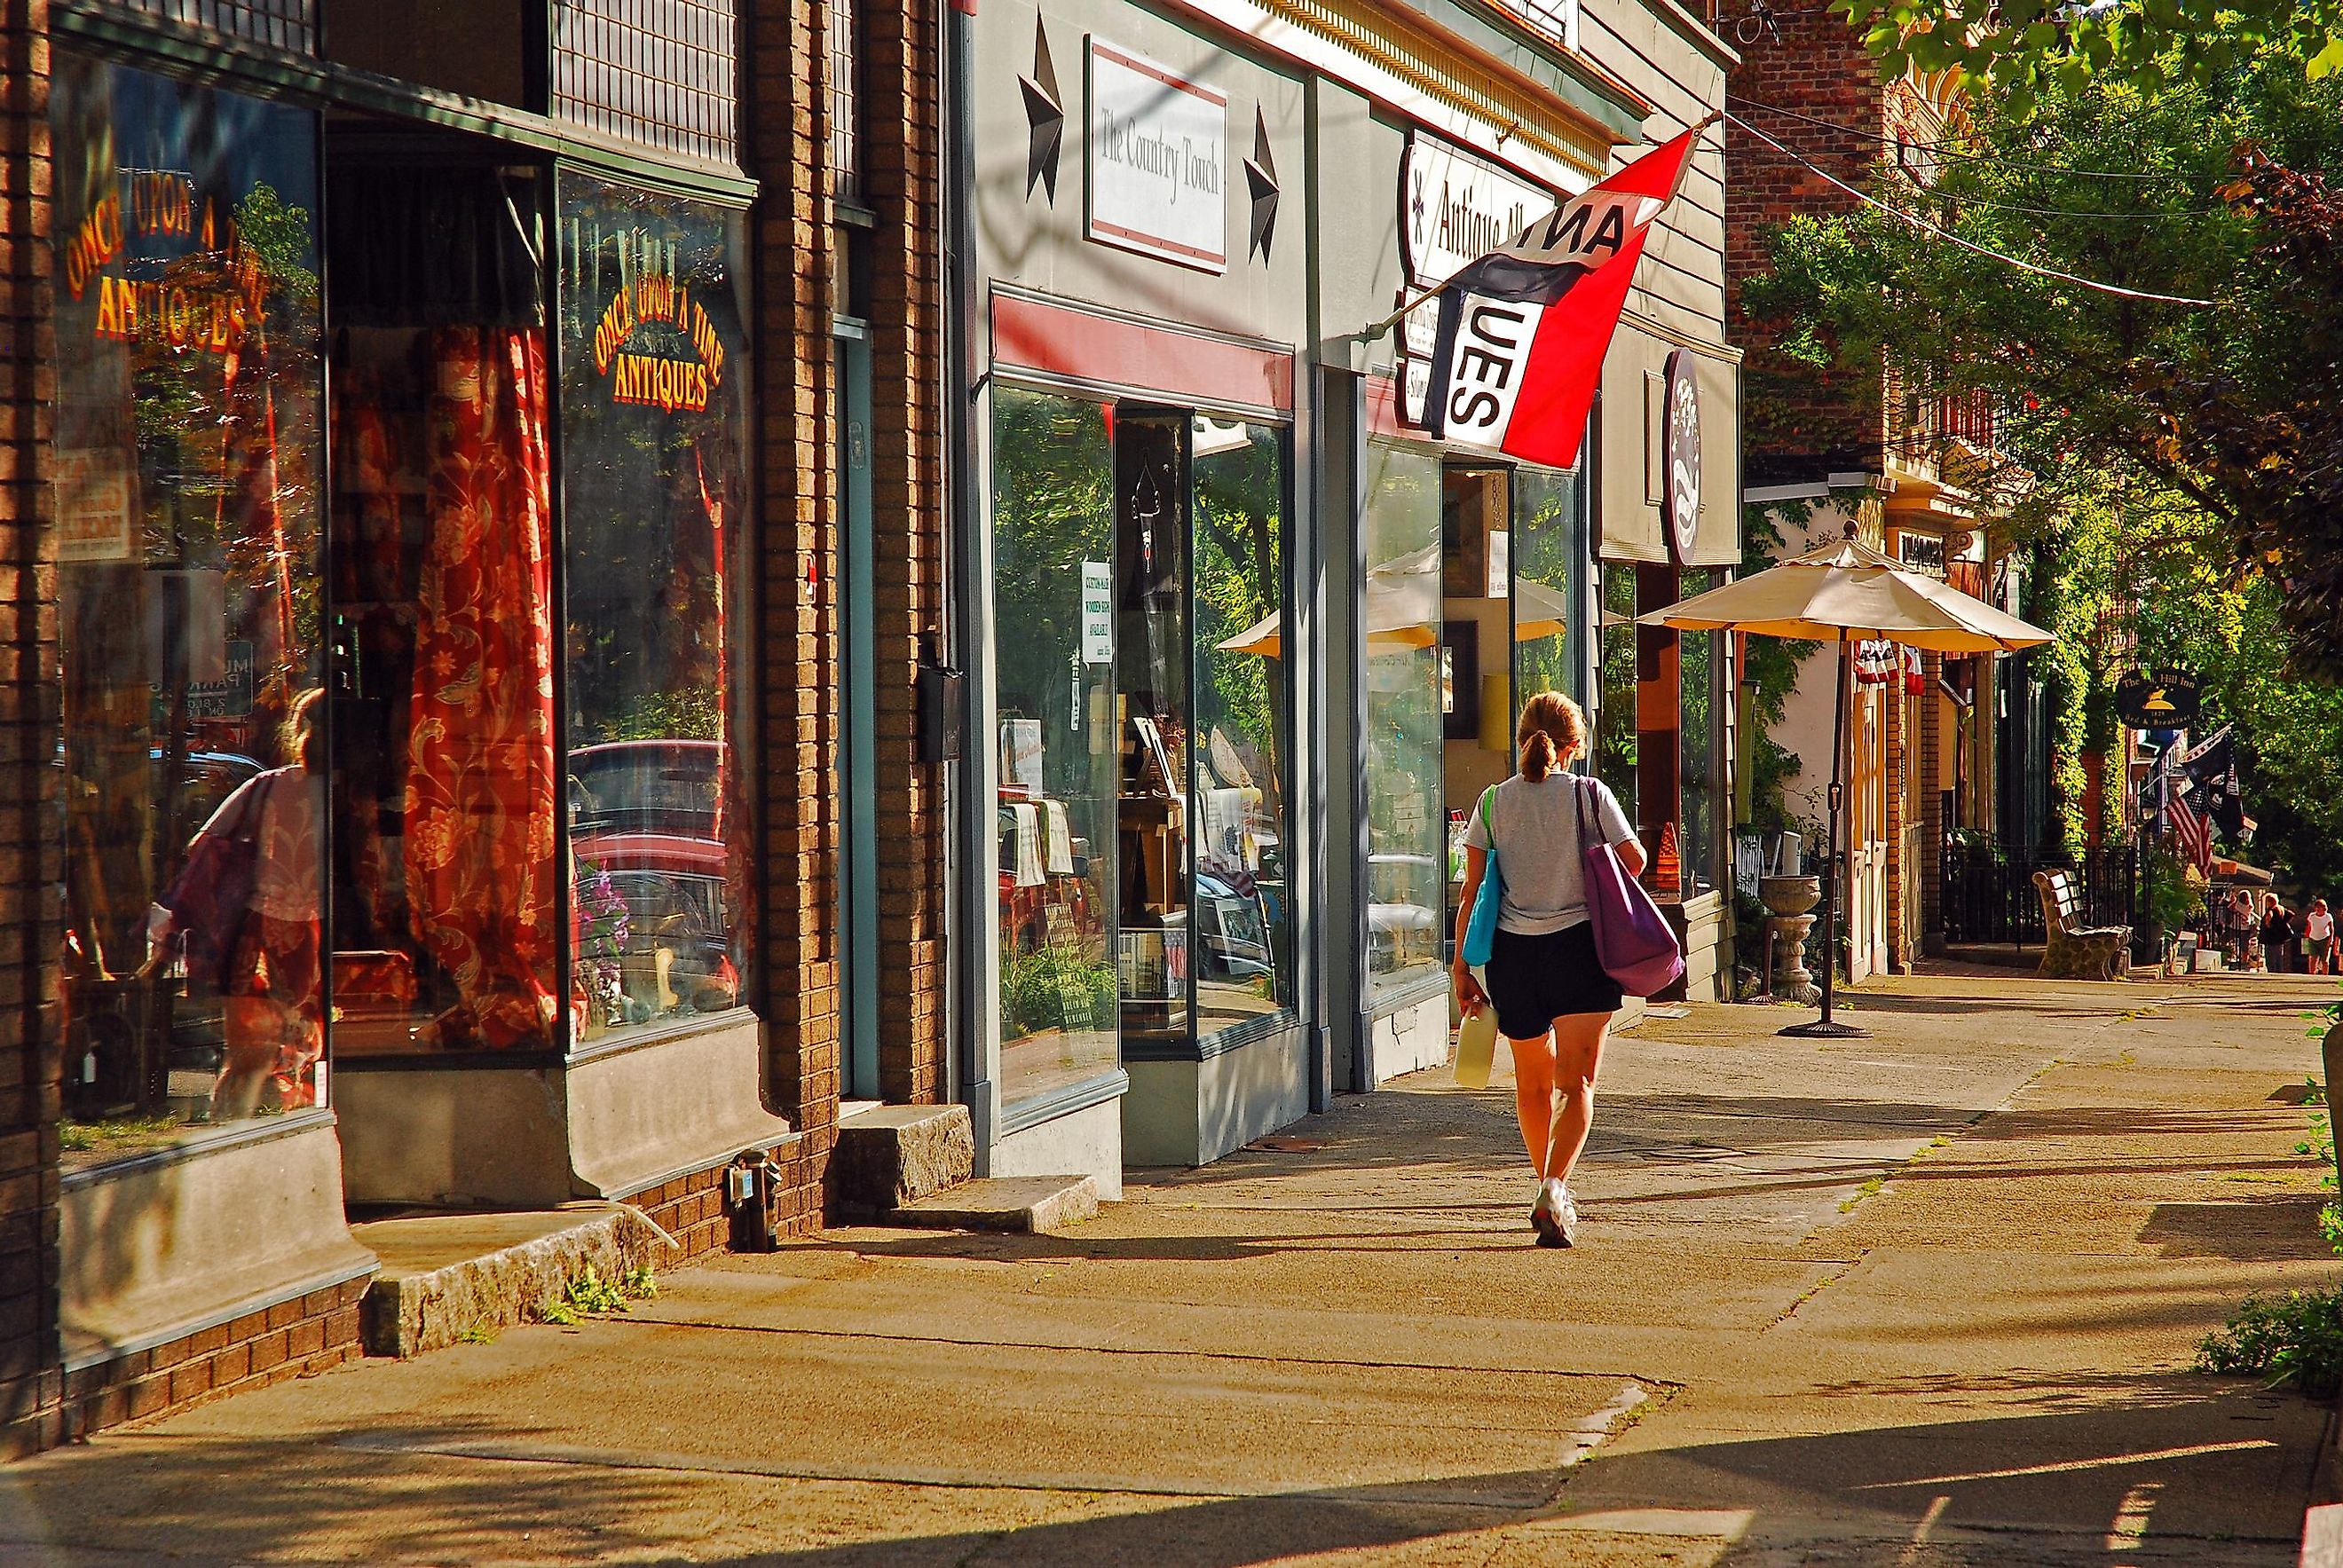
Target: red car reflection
x=649, y=920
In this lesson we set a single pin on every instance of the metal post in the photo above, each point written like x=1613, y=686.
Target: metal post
x=1826, y=1026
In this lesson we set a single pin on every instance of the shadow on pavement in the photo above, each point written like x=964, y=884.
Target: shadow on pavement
x=2245, y=1230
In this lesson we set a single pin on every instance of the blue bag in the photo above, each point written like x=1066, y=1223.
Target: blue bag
x=1481, y=931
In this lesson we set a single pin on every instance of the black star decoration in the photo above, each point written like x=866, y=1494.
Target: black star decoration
x=1260, y=176
x=1045, y=117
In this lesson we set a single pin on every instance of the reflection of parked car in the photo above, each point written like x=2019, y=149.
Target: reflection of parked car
x=1233, y=933
x=646, y=814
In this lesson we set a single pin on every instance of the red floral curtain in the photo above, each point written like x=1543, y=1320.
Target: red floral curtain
x=480, y=789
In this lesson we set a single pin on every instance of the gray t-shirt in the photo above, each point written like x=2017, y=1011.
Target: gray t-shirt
x=1538, y=849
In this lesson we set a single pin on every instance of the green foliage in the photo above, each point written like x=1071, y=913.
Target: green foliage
x=117, y=1135
x=2052, y=604
x=2295, y=1337
x=590, y=1295
x=1037, y=988
x=2032, y=51
x=1771, y=673
x=2174, y=895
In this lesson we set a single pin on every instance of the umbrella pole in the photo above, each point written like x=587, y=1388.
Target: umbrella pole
x=1826, y=1026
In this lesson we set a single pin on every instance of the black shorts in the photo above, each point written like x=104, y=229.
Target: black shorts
x=1535, y=979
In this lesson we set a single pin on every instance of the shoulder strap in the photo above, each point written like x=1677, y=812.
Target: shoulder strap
x=1578, y=800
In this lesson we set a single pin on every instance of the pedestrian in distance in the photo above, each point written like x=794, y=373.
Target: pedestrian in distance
x=2246, y=912
x=2278, y=936
x=2319, y=937
x=1553, y=997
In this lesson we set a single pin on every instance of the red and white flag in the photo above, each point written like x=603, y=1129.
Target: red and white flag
x=1523, y=329
x=2191, y=835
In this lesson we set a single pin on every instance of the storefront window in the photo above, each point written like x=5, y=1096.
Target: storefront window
x=1616, y=719
x=445, y=893
x=188, y=528
x=656, y=560
x=1056, y=602
x=1549, y=547
x=1400, y=638
x=1241, y=920
x=1697, y=785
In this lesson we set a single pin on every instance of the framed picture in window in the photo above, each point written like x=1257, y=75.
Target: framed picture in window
x=1460, y=679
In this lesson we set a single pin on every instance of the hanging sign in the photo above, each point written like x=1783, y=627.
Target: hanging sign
x=1158, y=143
x=95, y=519
x=657, y=345
x=1454, y=208
x=1680, y=487
x=2156, y=700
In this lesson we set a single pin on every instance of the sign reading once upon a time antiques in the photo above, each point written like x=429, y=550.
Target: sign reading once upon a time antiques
x=2156, y=700
x=1680, y=481
x=1454, y=208
x=1158, y=147
x=657, y=345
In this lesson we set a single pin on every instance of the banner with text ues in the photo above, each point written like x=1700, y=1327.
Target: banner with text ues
x=1522, y=330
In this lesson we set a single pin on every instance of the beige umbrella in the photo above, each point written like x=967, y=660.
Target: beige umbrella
x=1398, y=618
x=1843, y=592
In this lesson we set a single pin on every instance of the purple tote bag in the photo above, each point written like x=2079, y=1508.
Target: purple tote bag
x=1632, y=940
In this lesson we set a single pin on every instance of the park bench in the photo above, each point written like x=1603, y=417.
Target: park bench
x=2071, y=950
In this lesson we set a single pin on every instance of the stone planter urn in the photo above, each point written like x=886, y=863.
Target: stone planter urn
x=1790, y=901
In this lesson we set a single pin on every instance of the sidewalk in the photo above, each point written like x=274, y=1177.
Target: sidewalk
x=1923, y=1299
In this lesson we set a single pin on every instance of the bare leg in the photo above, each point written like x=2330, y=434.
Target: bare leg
x=1533, y=1096
x=1578, y=1057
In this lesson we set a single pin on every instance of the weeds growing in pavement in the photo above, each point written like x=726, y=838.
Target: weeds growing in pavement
x=590, y=1295
x=2295, y=1337
x=2320, y=1146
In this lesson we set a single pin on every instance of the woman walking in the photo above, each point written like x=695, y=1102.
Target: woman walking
x=2319, y=933
x=2277, y=936
x=1552, y=998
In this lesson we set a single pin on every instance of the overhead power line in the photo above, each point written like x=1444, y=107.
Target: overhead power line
x=1938, y=150
x=1925, y=227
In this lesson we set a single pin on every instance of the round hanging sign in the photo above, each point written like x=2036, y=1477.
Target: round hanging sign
x=1681, y=490
x=2156, y=700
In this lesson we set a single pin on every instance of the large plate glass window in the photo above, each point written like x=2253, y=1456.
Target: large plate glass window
x=1549, y=553
x=188, y=465
x=1404, y=660
x=656, y=560
x=1615, y=739
x=1055, y=602
x=1697, y=784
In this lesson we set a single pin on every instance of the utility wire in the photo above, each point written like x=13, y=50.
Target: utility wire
x=1925, y=227
x=1938, y=150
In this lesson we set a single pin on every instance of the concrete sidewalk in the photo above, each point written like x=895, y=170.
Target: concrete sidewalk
x=1923, y=1300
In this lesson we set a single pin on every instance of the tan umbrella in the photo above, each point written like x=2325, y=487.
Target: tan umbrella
x=1843, y=592
x=1398, y=618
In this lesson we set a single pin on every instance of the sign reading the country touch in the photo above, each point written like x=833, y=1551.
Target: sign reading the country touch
x=657, y=345
x=1454, y=208
x=2156, y=700
x=1158, y=150
x=1680, y=488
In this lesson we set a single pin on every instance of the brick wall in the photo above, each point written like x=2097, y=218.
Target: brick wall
x=900, y=73
x=30, y=1390
x=786, y=87
x=1798, y=422
x=307, y=1334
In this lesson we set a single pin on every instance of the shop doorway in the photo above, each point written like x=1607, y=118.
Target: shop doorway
x=1476, y=683
x=858, y=784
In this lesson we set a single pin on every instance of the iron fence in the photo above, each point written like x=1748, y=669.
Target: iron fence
x=1988, y=893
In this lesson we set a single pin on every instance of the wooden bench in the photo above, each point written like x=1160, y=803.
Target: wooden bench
x=2070, y=950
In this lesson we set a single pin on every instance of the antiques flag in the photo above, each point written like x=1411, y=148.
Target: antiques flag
x=1523, y=329
x=2212, y=770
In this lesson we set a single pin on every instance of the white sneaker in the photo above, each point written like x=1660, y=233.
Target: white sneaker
x=1564, y=1209
x=1546, y=1219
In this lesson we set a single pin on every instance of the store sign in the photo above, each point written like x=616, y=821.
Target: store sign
x=1681, y=479
x=95, y=519
x=1098, y=613
x=202, y=291
x=1925, y=551
x=2156, y=700
x=1454, y=208
x=1158, y=148
x=658, y=346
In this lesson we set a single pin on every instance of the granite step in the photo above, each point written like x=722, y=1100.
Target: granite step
x=891, y=1155
x=447, y=1275
x=1035, y=1204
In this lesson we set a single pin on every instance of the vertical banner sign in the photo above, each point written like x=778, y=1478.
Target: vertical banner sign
x=1098, y=613
x=1680, y=484
x=1158, y=149
x=1454, y=208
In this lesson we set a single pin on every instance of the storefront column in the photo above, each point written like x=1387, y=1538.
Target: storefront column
x=1659, y=694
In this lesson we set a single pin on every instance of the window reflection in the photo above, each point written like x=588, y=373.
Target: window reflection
x=188, y=466
x=1700, y=744
x=1055, y=600
x=655, y=553
x=1549, y=544
x=1616, y=735
x=1401, y=636
x=1241, y=916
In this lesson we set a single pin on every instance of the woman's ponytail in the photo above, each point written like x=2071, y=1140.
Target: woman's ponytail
x=1553, y=730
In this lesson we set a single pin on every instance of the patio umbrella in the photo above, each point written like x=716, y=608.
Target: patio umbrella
x=1843, y=592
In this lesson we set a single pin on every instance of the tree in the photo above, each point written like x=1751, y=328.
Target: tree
x=2025, y=51
x=2197, y=191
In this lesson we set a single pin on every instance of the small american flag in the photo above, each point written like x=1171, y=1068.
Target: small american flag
x=2192, y=835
